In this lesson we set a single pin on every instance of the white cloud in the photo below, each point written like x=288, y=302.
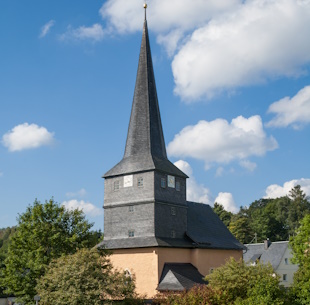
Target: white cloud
x=251, y=166
x=275, y=190
x=94, y=33
x=195, y=192
x=293, y=111
x=87, y=207
x=219, y=141
x=80, y=193
x=258, y=41
x=227, y=201
x=125, y=16
x=46, y=28
x=25, y=136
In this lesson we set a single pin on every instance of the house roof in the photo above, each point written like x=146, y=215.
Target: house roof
x=204, y=230
x=179, y=276
x=273, y=254
x=145, y=146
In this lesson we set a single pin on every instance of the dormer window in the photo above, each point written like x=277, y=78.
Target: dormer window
x=116, y=185
x=140, y=182
x=163, y=183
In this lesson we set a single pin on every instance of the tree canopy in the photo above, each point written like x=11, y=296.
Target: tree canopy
x=44, y=232
x=300, y=244
x=86, y=277
x=276, y=219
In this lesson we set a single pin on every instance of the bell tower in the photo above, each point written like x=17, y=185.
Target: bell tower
x=145, y=194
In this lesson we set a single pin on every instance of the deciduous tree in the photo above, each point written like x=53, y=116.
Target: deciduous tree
x=86, y=277
x=44, y=232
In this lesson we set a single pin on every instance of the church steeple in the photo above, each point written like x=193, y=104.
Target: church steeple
x=145, y=133
x=145, y=146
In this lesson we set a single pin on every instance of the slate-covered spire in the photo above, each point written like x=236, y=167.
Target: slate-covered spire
x=145, y=134
x=145, y=146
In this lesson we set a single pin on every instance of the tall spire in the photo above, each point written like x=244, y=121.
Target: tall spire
x=145, y=133
x=145, y=146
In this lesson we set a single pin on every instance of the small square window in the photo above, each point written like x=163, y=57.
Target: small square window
x=140, y=182
x=163, y=182
x=173, y=211
x=284, y=277
x=131, y=208
x=116, y=185
x=286, y=261
x=131, y=233
x=178, y=186
x=172, y=234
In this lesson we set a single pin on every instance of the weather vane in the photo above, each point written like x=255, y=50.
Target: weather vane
x=145, y=7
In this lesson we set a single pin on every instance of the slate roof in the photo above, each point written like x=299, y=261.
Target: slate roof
x=179, y=277
x=272, y=255
x=204, y=230
x=145, y=146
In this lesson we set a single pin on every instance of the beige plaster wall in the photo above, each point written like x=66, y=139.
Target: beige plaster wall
x=147, y=263
x=143, y=263
x=202, y=259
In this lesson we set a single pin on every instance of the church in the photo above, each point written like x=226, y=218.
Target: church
x=155, y=234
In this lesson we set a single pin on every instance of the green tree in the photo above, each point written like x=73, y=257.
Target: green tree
x=244, y=284
x=298, y=208
x=44, y=232
x=5, y=239
x=224, y=215
x=86, y=277
x=300, y=244
x=240, y=227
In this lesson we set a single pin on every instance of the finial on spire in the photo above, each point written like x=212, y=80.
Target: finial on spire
x=145, y=7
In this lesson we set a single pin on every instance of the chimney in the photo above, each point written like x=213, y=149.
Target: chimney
x=267, y=243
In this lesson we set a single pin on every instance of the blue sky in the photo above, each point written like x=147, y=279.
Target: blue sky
x=233, y=85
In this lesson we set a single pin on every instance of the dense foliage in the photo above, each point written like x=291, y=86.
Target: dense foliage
x=5, y=239
x=44, y=232
x=300, y=244
x=234, y=283
x=276, y=219
x=86, y=277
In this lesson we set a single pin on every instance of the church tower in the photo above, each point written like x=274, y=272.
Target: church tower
x=145, y=194
x=167, y=242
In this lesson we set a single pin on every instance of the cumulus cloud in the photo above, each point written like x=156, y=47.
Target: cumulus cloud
x=46, y=28
x=93, y=33
x=293, y=111
x=219, y=141
x=199, y=193
x=195, y=192
x=27, y=136
x=227, y=201
x=125, y=16
x=275, y=190
x=87, y=207
x=258, y=41
x=80, y=193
